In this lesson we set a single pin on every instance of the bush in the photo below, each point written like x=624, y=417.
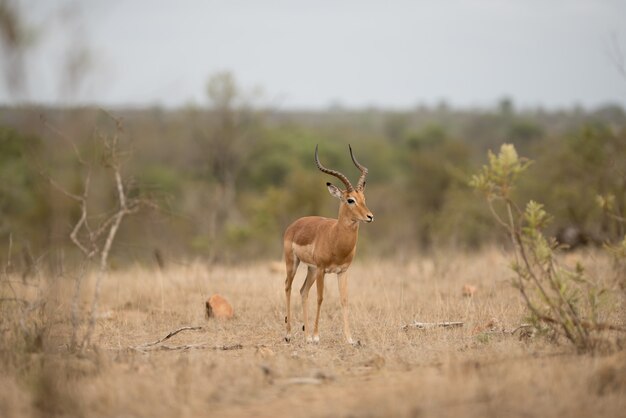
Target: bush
x=562, y=300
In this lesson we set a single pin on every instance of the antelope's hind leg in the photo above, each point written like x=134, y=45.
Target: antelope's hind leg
x=292, y=263
x=342, y=279
x=320, y=298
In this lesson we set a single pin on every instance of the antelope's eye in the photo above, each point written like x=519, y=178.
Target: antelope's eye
x=351, y=201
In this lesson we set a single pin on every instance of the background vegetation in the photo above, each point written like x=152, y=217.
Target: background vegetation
x=226, y=179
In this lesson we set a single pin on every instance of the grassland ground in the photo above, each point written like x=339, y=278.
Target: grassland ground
x=243, y=367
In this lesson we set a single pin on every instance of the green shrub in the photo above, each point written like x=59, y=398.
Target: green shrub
x=565, y=301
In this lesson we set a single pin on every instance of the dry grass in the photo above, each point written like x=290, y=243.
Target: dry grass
x=467, y=371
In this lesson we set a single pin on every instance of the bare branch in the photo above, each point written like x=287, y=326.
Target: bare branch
x=62, y=135
x=111, y=225
x=120, y=188
x=89, y=243
x=102, y=228
x=60, y=188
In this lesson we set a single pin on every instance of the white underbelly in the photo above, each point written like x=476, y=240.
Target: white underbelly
x=337, y=269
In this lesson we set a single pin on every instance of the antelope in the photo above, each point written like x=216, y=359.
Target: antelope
x=326, y=246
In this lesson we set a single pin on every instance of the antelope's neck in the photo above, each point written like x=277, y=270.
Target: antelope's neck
x=346, y=233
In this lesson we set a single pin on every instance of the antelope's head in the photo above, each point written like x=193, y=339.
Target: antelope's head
x=352, y=198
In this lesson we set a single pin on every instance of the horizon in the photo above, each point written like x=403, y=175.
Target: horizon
x=330, y=108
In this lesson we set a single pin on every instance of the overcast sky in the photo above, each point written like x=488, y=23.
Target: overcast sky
x=315, y=53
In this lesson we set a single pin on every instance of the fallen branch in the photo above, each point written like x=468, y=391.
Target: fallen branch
x=168, y=336
x=302, y=381
x=430, y=325
x=154, y=345
x=199, y=346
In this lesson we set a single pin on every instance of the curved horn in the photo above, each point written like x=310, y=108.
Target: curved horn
x=361, y=183
x=337, y=174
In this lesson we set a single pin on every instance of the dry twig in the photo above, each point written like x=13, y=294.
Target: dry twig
x=430, y=325
x=302, y=381
x=154, y=345
x=202, y=346
x=198, y=346
x=170, y=335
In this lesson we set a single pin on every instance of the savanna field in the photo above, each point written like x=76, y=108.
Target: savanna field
x=163, y=168
x=243, y=367
x=167, y=208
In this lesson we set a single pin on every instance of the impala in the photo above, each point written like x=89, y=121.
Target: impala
x=326, y=246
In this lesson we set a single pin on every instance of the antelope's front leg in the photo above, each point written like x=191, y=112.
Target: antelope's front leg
x=320, y=298
x=342, y=280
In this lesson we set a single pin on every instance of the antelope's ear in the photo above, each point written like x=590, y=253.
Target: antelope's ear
x=334, y=190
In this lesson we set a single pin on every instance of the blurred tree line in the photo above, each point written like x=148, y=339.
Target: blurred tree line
x=226, y=179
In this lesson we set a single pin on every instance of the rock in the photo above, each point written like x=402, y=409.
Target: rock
x=218, y=307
